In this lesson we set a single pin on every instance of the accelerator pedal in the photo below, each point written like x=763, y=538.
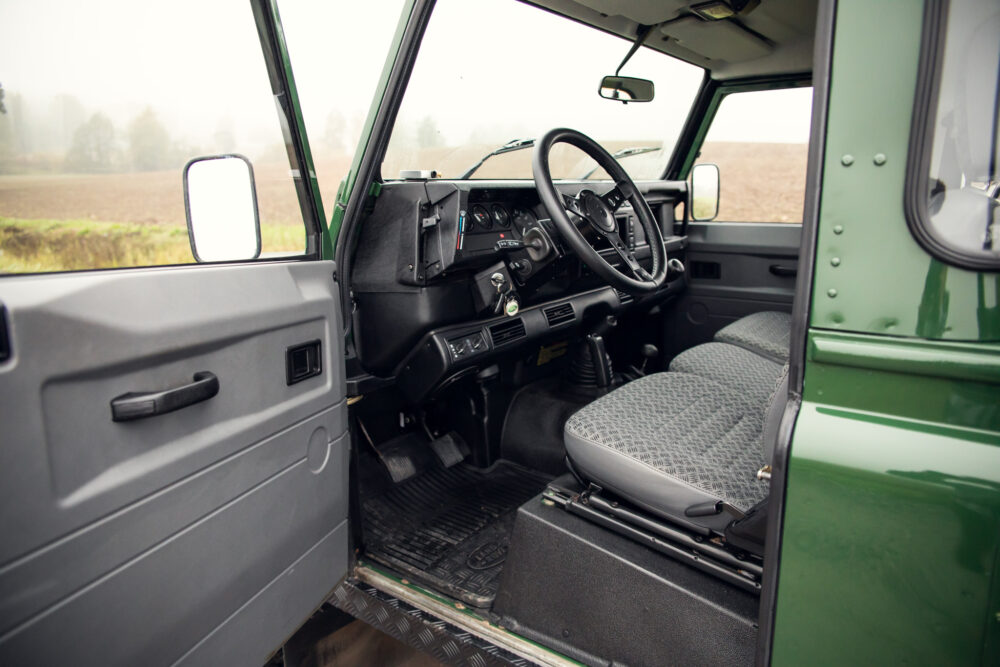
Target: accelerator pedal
x=450, y=449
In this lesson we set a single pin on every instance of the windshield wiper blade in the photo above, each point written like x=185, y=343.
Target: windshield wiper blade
x=510, y=146
x=625, y=152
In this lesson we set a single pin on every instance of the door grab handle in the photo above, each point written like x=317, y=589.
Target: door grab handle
x=139, y=405
x=779, y=270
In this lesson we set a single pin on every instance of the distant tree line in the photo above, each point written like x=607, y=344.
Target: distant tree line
x=67, y=139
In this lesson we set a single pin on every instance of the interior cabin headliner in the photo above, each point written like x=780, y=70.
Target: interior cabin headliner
x=774, y=38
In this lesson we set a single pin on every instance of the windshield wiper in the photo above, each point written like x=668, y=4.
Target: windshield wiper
x=625, y=152
x=510, y=146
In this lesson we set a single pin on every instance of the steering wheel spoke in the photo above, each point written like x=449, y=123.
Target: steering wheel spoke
x=573, y=205
x=628, y=257
x=614, y=198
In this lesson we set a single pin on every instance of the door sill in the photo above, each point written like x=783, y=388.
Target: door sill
x=459, y=616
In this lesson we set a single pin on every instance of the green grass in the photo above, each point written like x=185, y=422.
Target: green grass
x=33, y=246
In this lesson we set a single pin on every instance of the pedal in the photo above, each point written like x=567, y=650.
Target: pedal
x=450, y=449
x=404, y=456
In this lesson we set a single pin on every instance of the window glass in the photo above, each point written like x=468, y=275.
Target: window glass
x=964, y=177
x=325, y=37
x=495, y=70
x=103, y=104
x=760, y=141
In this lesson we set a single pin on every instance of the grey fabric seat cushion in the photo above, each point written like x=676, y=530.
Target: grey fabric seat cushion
x=767, y=333
x=669, y=441
x=745, y=373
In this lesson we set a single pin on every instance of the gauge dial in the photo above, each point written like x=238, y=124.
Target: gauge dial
x=500, y=216
x=523, y=219
x=481, y=218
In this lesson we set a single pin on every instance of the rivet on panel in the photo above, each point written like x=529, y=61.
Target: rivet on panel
x=847, y=160
x=835, y=261
x=838, y=229
x=879, y=159
x=832, y=293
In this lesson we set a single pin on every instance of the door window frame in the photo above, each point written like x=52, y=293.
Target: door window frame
x=922, y=126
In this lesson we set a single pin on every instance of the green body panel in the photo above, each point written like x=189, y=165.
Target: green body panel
x=885, y=282
x=891, y=531
x=891, y=524
x=347, y=185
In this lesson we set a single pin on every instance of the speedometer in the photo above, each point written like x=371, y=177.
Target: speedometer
x=523, y=219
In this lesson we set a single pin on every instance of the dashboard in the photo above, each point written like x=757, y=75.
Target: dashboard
x=425, y=276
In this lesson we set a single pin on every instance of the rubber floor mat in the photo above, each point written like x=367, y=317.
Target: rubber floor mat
x=449, y=528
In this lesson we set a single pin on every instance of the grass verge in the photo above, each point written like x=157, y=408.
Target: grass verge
x=36, y=246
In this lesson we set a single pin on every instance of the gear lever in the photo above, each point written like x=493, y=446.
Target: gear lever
x=649, y=351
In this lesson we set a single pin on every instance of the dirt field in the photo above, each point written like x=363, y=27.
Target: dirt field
x=68, y=221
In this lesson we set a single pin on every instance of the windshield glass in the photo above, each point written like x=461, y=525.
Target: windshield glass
x=495, y=70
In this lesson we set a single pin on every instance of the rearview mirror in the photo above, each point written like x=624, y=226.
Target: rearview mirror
x=626, y=89
x=220, y=201
x=704, y=192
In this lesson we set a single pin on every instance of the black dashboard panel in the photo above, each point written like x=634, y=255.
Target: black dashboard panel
x=425, y=241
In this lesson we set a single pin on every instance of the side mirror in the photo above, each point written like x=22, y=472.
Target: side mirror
x=626, y=89
x=703, y=192
x=220, y=201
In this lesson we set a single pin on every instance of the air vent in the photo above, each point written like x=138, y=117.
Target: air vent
x=558, y=314
x=507, y=332
x=624, y=296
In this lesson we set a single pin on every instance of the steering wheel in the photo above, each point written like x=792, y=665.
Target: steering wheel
x=599, y=213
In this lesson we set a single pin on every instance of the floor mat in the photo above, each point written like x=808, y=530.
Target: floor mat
x=449, y=528
x=533, y=431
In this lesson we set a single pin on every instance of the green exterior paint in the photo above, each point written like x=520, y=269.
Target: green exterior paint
x=891, y=533
x=891, y=536
x=885, y=282
x=347, y=185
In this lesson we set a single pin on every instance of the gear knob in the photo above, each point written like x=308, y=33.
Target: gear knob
x=649, y=351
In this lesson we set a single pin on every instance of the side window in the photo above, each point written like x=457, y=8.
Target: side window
x=760, y=140
x=101, y=111
x=954, y=165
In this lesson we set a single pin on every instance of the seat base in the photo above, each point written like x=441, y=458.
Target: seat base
x=670, y=441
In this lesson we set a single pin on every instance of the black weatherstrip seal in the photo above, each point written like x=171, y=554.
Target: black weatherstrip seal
x=822, y=65
x=915, y=198
x=264, y=12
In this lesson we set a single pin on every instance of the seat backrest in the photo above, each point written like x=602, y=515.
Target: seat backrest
x=772, y=414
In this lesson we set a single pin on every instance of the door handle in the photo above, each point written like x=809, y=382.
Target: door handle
x=139, y=405
x=785, y=271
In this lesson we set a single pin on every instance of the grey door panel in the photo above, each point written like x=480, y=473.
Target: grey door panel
x=731, y=275
x=135, y=542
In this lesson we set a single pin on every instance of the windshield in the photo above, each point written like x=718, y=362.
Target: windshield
x=495, y=70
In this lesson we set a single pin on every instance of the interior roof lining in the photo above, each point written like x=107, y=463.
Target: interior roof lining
x=788, y=26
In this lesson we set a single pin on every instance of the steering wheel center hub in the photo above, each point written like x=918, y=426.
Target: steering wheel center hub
x=598, y=213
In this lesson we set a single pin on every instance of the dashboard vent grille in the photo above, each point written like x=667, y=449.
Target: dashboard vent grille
x=559, y=314
x=506, y=332
x=624, y=296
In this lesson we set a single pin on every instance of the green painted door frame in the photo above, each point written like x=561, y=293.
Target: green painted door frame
x=891, y=532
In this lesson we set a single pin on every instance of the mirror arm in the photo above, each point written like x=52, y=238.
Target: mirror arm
x=640, y=36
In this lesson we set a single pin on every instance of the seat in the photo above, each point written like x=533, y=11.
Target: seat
x=766, y=333
x=746, y=373
x=682, y=440
x=669, y=442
